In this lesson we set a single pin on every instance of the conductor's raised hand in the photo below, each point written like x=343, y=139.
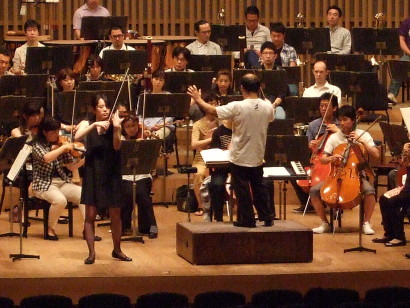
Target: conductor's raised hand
x=194, y=92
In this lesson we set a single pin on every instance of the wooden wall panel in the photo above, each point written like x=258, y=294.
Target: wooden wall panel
x=177, y=17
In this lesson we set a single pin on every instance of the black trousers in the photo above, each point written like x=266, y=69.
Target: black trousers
x=392, y=214
x=243, y=180
x=146, y=217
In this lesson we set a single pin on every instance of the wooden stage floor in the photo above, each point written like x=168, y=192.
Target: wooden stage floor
x=157, y=267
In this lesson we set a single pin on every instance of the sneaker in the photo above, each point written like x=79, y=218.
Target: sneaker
x=367, y=228
x=323, y=228
x=392, y=98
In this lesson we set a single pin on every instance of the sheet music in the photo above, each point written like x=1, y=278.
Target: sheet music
x=215, y=155
x=405, y=113
x=275, y=171
x=19, y=162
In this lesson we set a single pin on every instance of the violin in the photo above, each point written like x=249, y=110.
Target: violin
x=78, y=149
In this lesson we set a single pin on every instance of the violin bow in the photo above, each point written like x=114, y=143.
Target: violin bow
x=323, y=119
x=72, y=115
x=118, y=94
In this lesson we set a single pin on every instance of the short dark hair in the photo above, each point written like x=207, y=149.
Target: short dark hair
x=253, y=10
x=29, y=108
x=95, y=59
x=200, y=23
x=326, y=97
x=211, y=97
x=250, y=83
x=97, y=97
x=347, y=111
x=63, y=74
x=278, y=27
x=131, y=118
x=4, y=52
x=31, y=23
x=181, y=50
x=335, y=7
x=269, y=45
x=158, y=73
x=117, y=27
x=47, y=124
x=224, y=72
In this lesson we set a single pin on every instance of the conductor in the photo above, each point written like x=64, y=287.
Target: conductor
x=250, y=123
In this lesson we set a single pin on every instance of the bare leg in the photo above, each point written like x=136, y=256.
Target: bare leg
x=319, y=208
x=89, y=232
x=369, y=204
x=115, y=214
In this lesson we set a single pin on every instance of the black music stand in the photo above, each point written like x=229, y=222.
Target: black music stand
x=281, y=127
x=280, y=151
x=118, y=61
x=223, y=100
x=178, y=82
x=308, y=40
x=293, y=73
x=370, y=41
x=10, y=107
x=226, y=36
x=97, y=27
x=138, y=157
x=212, y=63
x=302, y=109
x=395, y=136
x=105, y=86
x=353, y=63
x=48, y=60
x=24, y=85
x=165, y=105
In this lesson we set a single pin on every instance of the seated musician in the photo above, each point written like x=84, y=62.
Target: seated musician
x=314, y=132
x=4, y=62
x=393, y=204
x=95, y=69
x=117, y=35
x=346, y=116
x=286, y=54
x=180, y=58
x=147, y=223
x=31, y=115
x=32, y=30
x=51, y=181
x=66, y=80
x=90, y=8
x=203, y=46
x=201, y=139
x=340, y=38
x=320, y=72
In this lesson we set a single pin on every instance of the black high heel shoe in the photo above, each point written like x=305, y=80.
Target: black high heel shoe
x=89, y=261
x=120, y=257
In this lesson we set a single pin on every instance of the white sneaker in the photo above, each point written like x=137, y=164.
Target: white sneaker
x=392, y=97
x=367, y=228
x=323, y=228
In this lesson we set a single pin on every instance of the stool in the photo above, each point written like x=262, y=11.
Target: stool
x=34, y=203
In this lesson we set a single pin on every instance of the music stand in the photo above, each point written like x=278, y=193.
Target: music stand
x=178, y=82
x=302, y=109
x=48, y=60
x=165, y=105
x=370, y=41
x=353, y=63
x=97, y=27
x=138, y=157
x=105, y=86
x=118, y=61
x=395, y=136
x=293, y=73
x=210, y=63
x=24, y=85
x=223, y=100
x=295, y=37
x=281, y=127
x=226, y=36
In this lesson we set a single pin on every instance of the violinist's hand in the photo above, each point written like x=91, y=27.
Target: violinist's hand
x=312, y=144
x=102, y=124
x=353, y=135
x=336, y=159
x=68, y=146
x=194, y=92
x=332, y=128
x=116, y=120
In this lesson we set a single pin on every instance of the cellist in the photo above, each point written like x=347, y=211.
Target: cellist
x=347, y=119
x=316, y=131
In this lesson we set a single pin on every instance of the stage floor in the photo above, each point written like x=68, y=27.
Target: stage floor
x=157, y=267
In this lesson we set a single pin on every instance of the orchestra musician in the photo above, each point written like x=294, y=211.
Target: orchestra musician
x=4, y=62
x=90, y=8
x=147, y=223
x=203, y=46
x=321, y=85
x=340, y=38
x=50, y=179
x=347, y=119
x=117, y=41
x=31, y=115
x=316, y=129
x=180, y=58
x=250, y=119
x=393, y=204
x=95, y=69
x=31, y=30
x=102, y=173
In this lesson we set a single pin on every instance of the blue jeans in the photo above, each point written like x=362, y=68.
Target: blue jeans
x=395, y=83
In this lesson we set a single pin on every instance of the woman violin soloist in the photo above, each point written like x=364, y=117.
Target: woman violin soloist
x=347, y=120
x=102, y=173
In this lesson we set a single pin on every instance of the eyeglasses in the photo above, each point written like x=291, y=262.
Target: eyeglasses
x=268, y=53
x=118, y=36
x=4, y=62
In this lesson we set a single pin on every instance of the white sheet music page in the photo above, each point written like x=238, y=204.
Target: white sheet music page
x=19, y=162
x=274, y=171
x=215, y=156
x=405, y=113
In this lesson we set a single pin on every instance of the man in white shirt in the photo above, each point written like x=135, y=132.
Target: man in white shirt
x=203, y=46
x=321, y=85
x=117, y=40
x=340, y=38
x=32, y=30
x=250, y=122
x=90, y=8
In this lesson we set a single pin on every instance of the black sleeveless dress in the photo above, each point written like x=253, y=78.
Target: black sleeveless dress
x=102, y=171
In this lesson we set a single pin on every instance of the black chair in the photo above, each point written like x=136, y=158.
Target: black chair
x=46, y=301
x=320, y=297
x=387, y=296
x=104, y=300
x=6, y=302
x=219, y=299
x=276, y=298
x=162, y=300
